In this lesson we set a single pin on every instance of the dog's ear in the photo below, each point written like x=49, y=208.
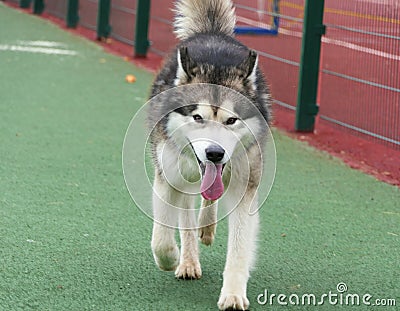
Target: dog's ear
x=186, y=65
x=249, y=68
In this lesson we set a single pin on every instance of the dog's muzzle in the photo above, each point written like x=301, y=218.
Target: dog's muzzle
x=212, y=187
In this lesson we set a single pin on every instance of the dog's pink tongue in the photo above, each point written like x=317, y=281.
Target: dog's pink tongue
x=211, y=186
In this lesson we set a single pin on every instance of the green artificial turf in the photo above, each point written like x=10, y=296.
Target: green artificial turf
x=72, y=239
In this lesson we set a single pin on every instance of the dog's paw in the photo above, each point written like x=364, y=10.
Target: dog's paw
x=233, y=302
x=189, y=270
x=207, y=234
x=167, y=259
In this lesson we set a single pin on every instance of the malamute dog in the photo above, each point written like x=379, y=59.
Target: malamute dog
x=208, y=118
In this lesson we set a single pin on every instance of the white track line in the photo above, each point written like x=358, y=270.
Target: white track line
x=361, y=48
x=384, y=2
x=344, y=44
x=47, y=44
x=34, y=49
x=39, y=46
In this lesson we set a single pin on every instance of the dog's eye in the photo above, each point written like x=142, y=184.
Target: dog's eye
x=197, y=118
x=231, y=121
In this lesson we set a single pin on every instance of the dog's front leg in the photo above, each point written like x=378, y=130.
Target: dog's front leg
x=189, y=264
x=163, y=244
x=243, y=229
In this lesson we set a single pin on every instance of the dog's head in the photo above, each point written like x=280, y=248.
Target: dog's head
x=215, y=125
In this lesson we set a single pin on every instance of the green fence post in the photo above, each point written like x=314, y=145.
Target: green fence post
x=313, y=29
x=24, y=4
x=103, y=19
x=142, y=28
x=38, y=6
x=72, y=13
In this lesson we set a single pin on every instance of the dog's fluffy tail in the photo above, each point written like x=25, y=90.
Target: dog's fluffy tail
x=204, y=16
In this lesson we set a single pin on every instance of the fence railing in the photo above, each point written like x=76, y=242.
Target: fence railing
x=359, y=85
x=360, y=80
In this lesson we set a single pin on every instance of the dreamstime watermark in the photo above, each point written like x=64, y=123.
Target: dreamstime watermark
x=340, y=297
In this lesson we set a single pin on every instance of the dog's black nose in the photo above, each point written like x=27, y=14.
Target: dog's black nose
x=215, y=153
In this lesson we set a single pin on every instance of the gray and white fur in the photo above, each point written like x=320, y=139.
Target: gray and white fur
x=194, y=117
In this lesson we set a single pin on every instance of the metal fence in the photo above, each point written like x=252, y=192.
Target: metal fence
x=359, y=86
x=360, y=82
x=57, y=8
x=123, y=19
